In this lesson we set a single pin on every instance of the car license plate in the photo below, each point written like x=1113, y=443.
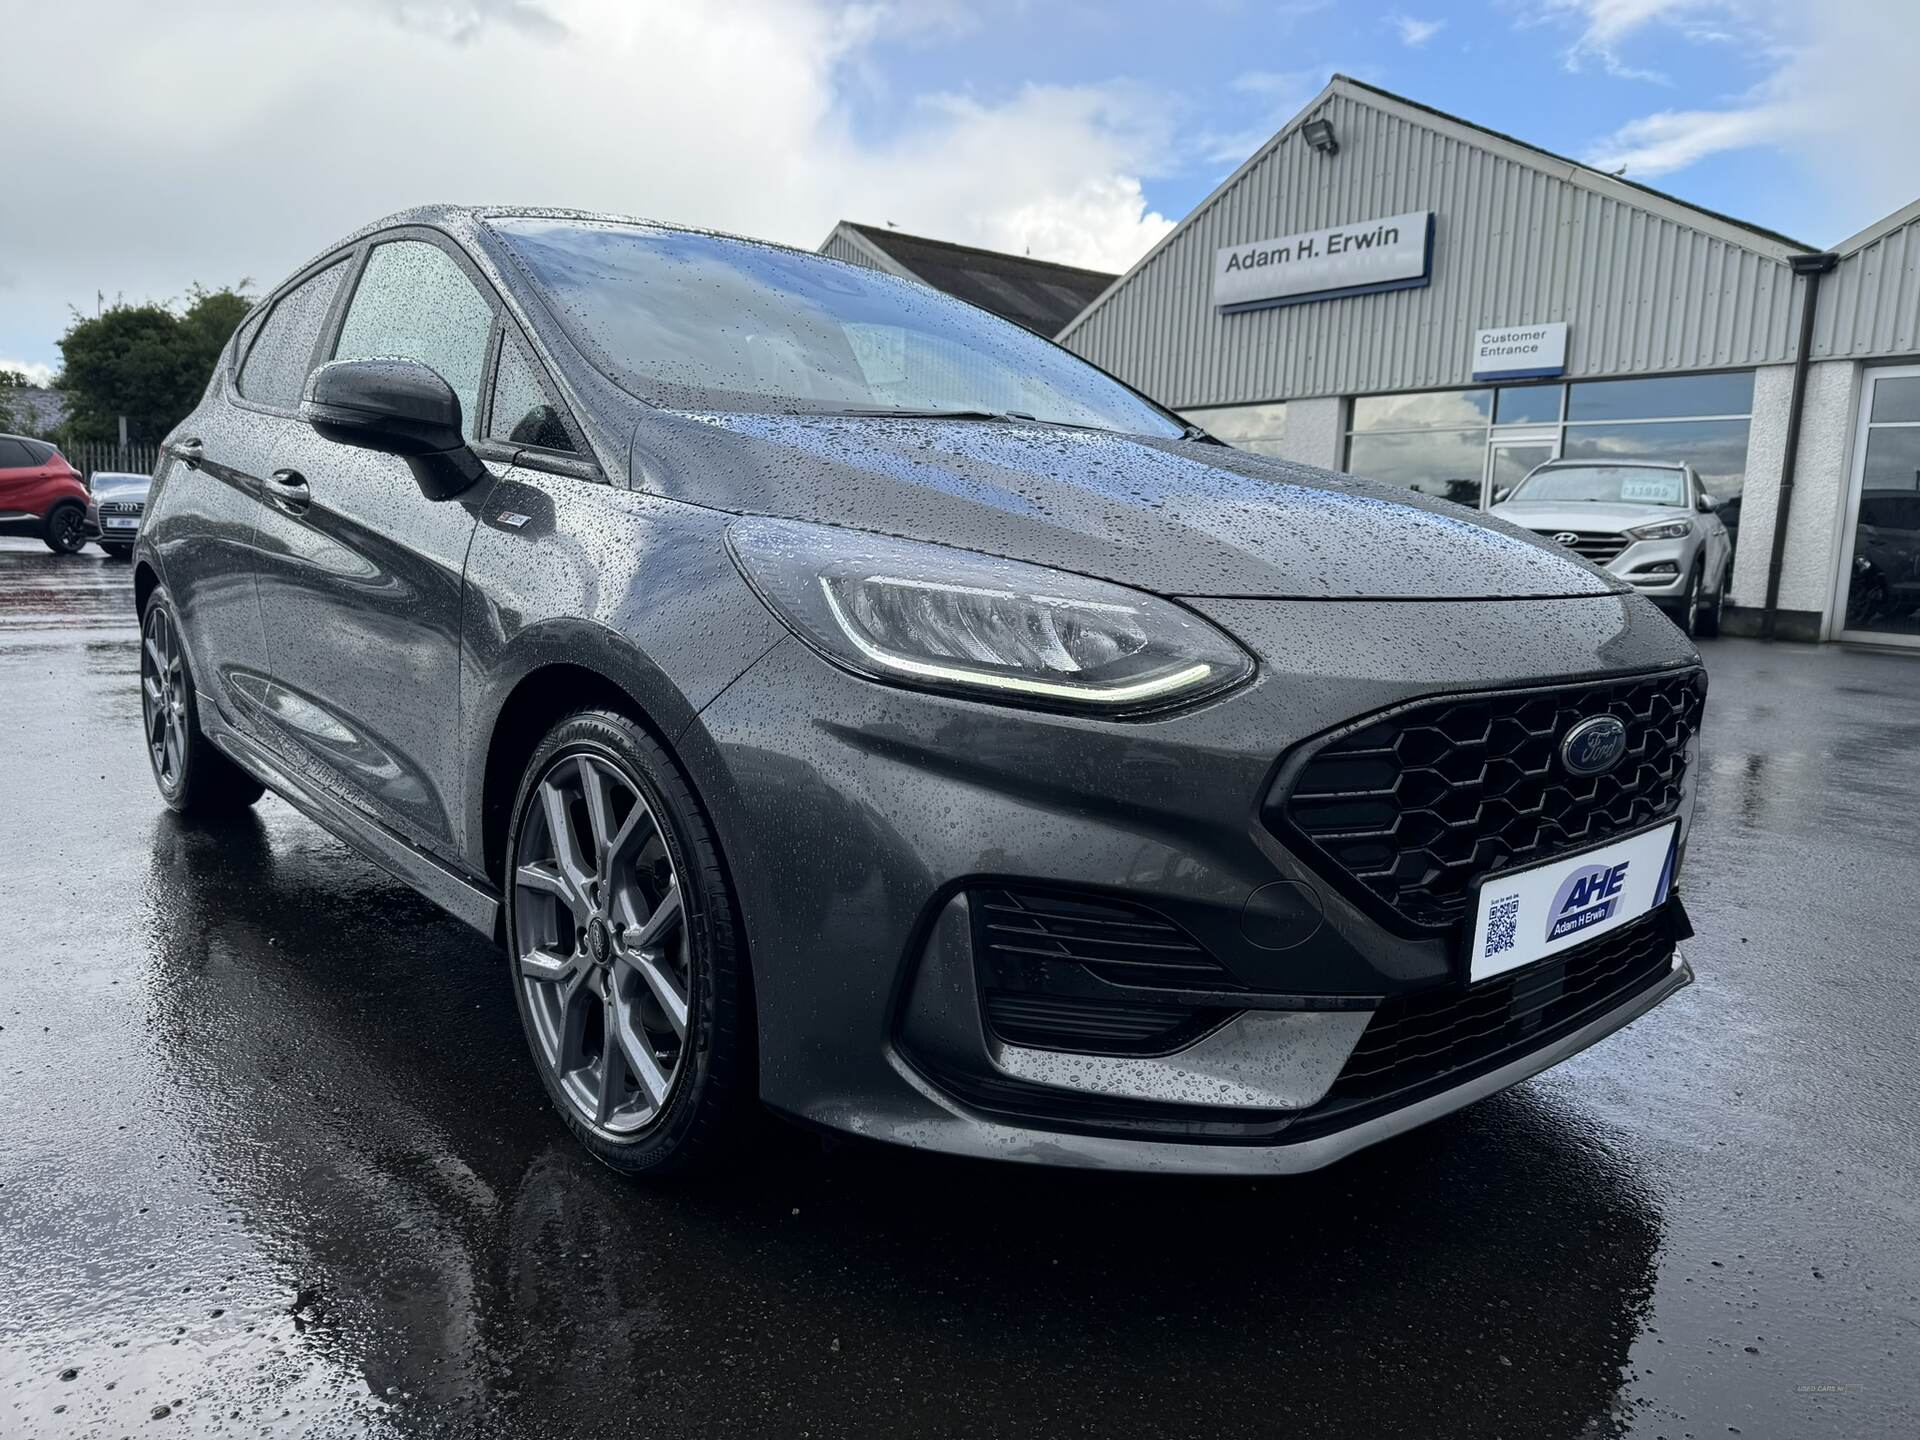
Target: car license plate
x=121, y=522
x=1527, y=915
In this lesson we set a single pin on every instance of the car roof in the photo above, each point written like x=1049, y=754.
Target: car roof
x=1612, y=464
x=121, y=475
x=462, y=221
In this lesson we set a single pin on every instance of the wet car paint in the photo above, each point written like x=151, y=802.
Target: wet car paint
x=339, y=1204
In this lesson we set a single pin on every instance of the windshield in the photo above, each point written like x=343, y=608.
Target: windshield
x=704, y=322
x=1605, y=484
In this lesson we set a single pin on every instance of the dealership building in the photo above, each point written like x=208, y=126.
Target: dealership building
x=1389, y=290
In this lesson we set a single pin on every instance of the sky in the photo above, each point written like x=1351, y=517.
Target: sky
x=218, y=141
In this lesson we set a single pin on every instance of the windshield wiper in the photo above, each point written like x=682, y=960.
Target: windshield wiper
x=891, y=413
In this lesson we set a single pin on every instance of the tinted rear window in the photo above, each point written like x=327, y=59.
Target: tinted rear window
x=277, y=365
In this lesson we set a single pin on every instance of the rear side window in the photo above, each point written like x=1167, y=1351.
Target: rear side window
x=522, y=412
x=39, y=450
x=415, y=303
x=277, y=365
x=14, y=455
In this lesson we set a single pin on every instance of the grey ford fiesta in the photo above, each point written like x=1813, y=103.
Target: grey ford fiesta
x=838, y=699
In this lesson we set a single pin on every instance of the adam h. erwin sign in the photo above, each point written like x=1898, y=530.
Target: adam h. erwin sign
x=1371, y=255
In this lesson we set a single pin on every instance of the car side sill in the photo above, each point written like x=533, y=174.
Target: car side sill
x=445, y=887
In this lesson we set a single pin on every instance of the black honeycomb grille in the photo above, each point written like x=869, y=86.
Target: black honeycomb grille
x=1413, y=810
x=1428, y=1038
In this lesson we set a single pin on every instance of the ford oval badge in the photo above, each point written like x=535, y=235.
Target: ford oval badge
x=1594, y=746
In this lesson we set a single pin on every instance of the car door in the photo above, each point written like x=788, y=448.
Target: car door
x=361, y=575
x=16, y=479
x=203, y=519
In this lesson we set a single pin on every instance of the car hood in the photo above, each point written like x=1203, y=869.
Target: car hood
x=1176, y=517
x=1548, y=515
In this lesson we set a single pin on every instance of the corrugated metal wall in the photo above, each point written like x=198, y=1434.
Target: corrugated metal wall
x=1514, y=245
x=839, y=247
x=1870, y=304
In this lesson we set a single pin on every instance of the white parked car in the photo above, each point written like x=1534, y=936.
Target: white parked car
x=1650, y=524
x=114, y=513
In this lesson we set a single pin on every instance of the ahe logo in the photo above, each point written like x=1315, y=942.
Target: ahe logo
x=1586, y=897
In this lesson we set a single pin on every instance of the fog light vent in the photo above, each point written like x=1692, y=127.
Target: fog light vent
x=1086, y=973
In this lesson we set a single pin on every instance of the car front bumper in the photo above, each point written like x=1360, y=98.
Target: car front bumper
x=862, y=822
x=1635, y=563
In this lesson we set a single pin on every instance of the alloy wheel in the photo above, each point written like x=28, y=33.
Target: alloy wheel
x=69, y=529
x=1692, y=627
x=163, y=698
x=601, y=943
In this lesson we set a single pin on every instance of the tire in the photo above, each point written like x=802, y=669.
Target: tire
x=65, y=528
x=597, y=999
x=1706, y=625
x=1689, y=617
x=194, y=778
x=118, y=552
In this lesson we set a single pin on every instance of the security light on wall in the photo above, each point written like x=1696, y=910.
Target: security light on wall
x=1319, y=134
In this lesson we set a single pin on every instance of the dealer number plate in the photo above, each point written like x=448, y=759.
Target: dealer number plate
x=121, y=522
x=1527, y=915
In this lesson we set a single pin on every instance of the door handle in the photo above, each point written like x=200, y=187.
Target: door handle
x=289, y=490
x=190, y=452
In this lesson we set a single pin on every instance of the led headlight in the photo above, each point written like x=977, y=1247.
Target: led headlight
x=946, y=619
x=1665, y=530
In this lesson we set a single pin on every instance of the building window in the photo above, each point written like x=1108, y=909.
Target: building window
x=1436, y=442
x=1662, y=397
x=1260, y=428
x=1448, y=464
x=1716, y=448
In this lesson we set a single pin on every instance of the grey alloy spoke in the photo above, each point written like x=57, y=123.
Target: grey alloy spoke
x=566, y=846
x=155, y=696
x=543, y=964
x=635, y=831
x=666, y=990
x=608, y=1093
x=154, y=652
x=664, y=921
x=544, y=878
x=635, y=1050
x=594, y=788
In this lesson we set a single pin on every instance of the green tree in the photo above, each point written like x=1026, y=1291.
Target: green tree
x=15, y=417
x=146, y=362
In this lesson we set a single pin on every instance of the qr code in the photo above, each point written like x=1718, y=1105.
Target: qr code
x=1501, y=920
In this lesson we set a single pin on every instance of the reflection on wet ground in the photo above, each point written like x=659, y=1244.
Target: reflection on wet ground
x=272, y=1159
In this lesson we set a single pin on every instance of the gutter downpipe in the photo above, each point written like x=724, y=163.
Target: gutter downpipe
x=1812, y=266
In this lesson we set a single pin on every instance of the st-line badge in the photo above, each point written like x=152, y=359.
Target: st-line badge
x=1530, y=914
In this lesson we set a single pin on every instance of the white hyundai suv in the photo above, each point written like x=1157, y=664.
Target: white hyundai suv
x=1648, y=523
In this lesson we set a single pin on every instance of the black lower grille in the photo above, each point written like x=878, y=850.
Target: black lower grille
x=1082, y=972
x=1409, y=812
x=1074, y=1022
x=1427, y=1038
x=1413, y=1046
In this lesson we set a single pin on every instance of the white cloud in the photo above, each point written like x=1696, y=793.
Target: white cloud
x=38, y=372
x=730, y=113
x=1607, y=26
x=1416, y=33
x=1839, y=102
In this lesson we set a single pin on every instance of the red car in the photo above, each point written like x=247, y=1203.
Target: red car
x=41, y=494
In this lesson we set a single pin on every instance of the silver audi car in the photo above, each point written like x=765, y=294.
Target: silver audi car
x=1652, y=525
x=114, y=513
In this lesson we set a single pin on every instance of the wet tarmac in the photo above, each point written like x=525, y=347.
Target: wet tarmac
x=273, y=1159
